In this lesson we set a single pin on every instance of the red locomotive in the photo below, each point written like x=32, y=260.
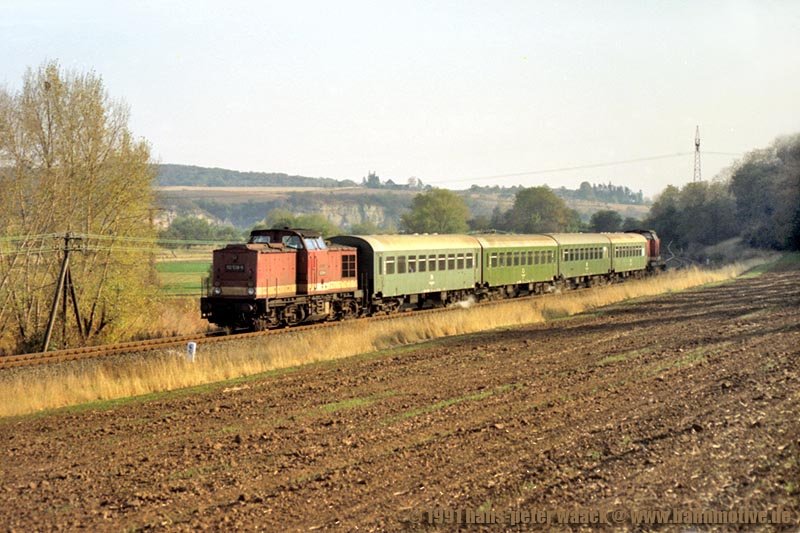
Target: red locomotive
x=281, y=277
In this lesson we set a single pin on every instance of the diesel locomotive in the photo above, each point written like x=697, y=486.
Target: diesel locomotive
x=284, y=277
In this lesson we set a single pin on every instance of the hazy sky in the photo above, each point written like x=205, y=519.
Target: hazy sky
x=442, y=90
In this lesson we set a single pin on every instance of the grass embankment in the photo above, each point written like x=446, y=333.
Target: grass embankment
x=99, y=380
x=182, y=278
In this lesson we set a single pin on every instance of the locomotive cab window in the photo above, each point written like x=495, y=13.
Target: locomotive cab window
x=292, y=241
x=348, y=266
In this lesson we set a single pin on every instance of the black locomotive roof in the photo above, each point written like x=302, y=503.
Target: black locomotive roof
x=300, y=231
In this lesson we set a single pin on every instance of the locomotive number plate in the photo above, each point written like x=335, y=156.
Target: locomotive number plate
x=234, y=268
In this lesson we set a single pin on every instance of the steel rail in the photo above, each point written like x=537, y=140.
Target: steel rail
x=91, y=352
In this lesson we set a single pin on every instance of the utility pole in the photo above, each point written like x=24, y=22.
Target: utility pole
x=66, y=287
x=697, y=177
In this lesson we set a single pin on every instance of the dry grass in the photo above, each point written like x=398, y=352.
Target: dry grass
x=36, y=389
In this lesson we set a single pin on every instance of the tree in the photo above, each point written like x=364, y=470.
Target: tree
x=372, y=181
x=190, y=228
x=664, y=216
x=539, y=210
x=282, y=218
x=631, y=223
x=68, y=162
x=767, y=191
x=606, y=220
x=436, y=211
x=367, y=227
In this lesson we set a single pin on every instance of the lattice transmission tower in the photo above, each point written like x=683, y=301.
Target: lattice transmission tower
x=697, y=176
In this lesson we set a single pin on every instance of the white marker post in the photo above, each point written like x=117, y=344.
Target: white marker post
x=191, y=350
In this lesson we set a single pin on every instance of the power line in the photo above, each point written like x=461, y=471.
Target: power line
x=581, y=167
x=566, y=169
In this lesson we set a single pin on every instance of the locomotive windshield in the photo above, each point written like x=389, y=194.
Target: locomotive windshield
x=317, y=243
x=292, y=241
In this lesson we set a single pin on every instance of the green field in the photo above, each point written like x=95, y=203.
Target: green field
x=182, y=278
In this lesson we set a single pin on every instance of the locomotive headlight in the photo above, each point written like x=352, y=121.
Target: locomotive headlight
x=251, y=291
x=217, y=291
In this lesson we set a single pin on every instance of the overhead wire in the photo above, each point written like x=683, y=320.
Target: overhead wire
x=580, y=167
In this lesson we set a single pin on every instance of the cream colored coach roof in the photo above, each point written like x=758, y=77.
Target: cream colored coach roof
x=404, y=243
x=580, y=238
x=626, y=238
x=492, y=240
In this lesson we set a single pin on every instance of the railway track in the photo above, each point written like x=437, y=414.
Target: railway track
x=92, y=352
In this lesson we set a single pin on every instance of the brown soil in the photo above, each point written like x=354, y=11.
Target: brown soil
x=686, y=401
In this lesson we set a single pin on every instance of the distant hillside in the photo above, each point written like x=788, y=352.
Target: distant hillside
x=171, y=175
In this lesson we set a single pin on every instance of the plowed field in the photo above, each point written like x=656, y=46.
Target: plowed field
x=691, y=400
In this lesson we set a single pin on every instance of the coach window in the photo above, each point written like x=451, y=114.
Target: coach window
x=401, y=264
x=432, y=263
x=470, y=261
x=412, y=263
x=442, y=262
x=423, y=263
x=389, y=265
x=451, y=261
x=493, y=260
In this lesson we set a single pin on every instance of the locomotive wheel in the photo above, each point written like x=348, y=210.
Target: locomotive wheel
x=350, y=310
x=293, y=314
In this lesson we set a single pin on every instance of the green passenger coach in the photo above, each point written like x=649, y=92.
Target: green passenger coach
x=628, y=252
x=582, y=256
x=514, y=260
x=412, y=269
